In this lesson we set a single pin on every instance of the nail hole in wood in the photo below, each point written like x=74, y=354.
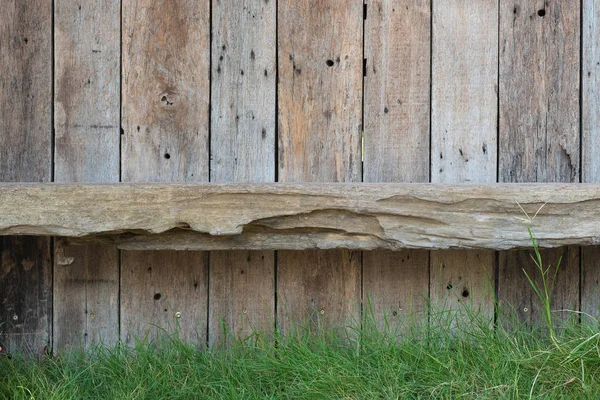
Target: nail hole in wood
x=541, y=12
x=329, y=63
x=157, y=296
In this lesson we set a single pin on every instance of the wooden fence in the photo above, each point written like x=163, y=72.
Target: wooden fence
x=452, y=91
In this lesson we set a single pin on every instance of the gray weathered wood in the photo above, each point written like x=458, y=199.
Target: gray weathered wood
x=539, y=127
x=86, y=294
x=242, y=287
x=539, y=91
x=464, y=136
x=165, y=91
x=26, y=91
x=360, y=216
x=590, y=146
x=164, y=291
x=320, y=107
x=86, y=106
x=86, y=100
x=396, y=141
x=242, y=295
x=166, y=75
x=25, y=155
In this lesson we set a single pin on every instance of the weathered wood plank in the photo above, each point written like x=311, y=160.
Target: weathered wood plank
x=86, y=104
x=360, y=216
x=590, y=146
x=86, y=293
x=397, y=51
x=462, y=278
x=26, y=87
x=242, y=295
x=464, y=136
x=165, y=91
x=25, y=155
x=396, y=141
x=164, y=291
x=539, y=125
x=242, y=286
x=166, y=86
x=320, y=108
x=539, y=91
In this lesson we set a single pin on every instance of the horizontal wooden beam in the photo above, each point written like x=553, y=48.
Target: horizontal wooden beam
x=305, y=216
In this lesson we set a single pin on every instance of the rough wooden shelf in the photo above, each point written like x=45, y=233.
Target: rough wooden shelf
x=304, y=216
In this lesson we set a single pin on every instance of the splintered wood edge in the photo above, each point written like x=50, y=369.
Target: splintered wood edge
x=270, y=216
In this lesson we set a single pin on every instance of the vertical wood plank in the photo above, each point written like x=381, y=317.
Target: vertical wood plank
x=86, y=293
x=242, y=297
x=539, y=129
x=320, y=93
x=164, y=291
x=166, y=57
x=25, y=156
x=396, y=141
x=464, y=136
x=86, y=107
x=590, y=256
x=165, y=111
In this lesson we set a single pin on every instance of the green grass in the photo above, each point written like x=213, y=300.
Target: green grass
x=465, y=359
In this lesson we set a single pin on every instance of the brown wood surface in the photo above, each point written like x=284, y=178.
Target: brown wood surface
x=590, y=145
x=320, y=107
x=464, y=137
x=86, y=107
x=165, y=111
x=164, y=291
x=396, y=144
x=269, y=216
x=86, y=295
x=539, y=127
x=25, y=155
x=243, y=87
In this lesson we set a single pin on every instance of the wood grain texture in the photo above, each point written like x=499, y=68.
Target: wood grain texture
x=86, y=294
x=396, y=287
x=87, y=82
x=462, y=278
x=539, y=127
x=518, y=302
x=320, y=90
x=86, y=107
x=397, y=50
x=243, y=91
x=243, y=87
x=396, y=141
x=242, y=295
x=590, y=283
x=539, y=91
x=166, y=87
x=590, y=146
x=165, y=91
x=164, y=291
x=25, y=156
x=464, y=115
x=358, y=216
x=320, y=108
x=26, y=90
x=321, y=288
